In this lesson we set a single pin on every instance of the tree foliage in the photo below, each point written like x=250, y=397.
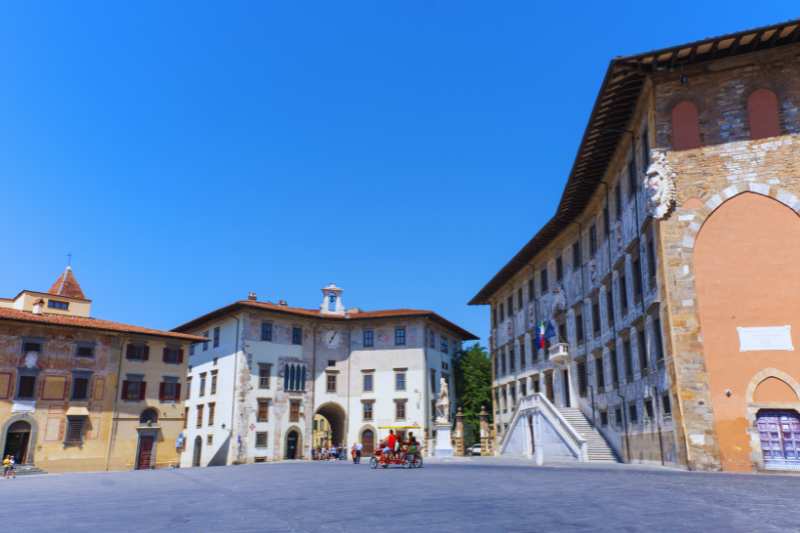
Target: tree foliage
x=473, y=382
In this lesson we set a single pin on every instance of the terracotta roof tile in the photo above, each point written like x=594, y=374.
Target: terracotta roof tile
x=67, y=285
x=315, y=313
x=90, y=323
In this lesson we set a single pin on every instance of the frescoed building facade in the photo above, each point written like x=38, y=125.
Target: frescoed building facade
x=80, y=393
x=269, y=370
x=669, y=272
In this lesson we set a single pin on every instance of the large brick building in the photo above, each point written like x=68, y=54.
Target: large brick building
x=667, y=280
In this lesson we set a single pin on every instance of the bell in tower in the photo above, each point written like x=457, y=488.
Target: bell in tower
x=332, y=300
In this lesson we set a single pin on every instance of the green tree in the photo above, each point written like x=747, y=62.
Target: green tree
x=473, y=382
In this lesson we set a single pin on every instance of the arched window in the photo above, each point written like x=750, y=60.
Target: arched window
x=762, y=113
x=685, y=126
x=331, y=302
x=148, y=416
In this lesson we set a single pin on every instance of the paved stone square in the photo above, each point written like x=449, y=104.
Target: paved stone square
x=481, y=494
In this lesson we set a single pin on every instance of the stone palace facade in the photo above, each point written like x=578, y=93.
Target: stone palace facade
x=273, y=380
x=668, y=277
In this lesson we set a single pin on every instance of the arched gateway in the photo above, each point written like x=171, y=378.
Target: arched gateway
x=336, y=417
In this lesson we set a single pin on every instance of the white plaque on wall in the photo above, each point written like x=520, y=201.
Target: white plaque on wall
x=765, y=338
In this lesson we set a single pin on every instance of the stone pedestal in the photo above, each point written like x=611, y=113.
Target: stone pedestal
x=444, y=446
x=458, y=435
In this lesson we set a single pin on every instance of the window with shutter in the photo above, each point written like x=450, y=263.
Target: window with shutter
x=142, y=389
x=74, y=430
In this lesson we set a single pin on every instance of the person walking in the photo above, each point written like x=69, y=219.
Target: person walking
x=359, y=450
x=353, y=454
x=9, y=464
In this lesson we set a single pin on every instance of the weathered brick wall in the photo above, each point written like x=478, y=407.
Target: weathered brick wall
x=727, y=164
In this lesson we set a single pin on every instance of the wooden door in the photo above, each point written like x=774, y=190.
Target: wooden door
x=291, y=445
x=368, y=442
x=779, y=433
x=565, y=387
x=197, y=451
x=548, y=386
x=145, y=459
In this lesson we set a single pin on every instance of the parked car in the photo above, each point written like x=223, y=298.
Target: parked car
x=475, y=449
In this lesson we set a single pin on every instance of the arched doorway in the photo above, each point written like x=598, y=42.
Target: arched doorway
x=334, y=414
x=292, y=444
x=779, y=433
x=197, y=452
x=368, y=442
x=746, y=282
x=17, y=440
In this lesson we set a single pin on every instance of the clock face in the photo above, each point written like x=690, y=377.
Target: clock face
x=332, y=338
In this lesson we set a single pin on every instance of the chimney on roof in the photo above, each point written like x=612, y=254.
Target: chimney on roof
x=283, y=303
x=251, y=296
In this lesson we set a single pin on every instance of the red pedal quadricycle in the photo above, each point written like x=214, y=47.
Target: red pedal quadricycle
x=407, y=453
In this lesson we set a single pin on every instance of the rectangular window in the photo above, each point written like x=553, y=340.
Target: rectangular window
x=606, y=221
x=213, y=382
x=637, y=280
x=331, y=363
x=266, y=331
x=502, y=312
x=264, y=374
x=212, y=408
x=58, y=304
x=137, y=352
x=169, y=390
x=399, y=381
x=185, y=418
x=614, y=367
x=367, y=382
x=133, y=389
x=610, y=305
x=261, y=439
x=510, y=305
x=366, y=409
x=511, y=361
x=643, y=359
x=503, y=361
x=519, y=298
x=209, y=439
x=657, y=342
x=576, y=255
x=369, y=338
x=400, y=336
x=297, y=335
x=632, y=180
x=445, y=345
x=596, y=316
x=191, y=349
x=645, y=149
x=523, y=387
x=216, y=337
x=592, y=240
x=294, y=410
x=633, y=414
x=579, y=336
x=583, y=375
x=85, y=349
x=432, y=336
x=599, y=372
x=535, y=384
x=648, y=408
x=400, y=409
x=202, y=384
x=172, y=355
x=559, y=269
x=330, y=381
x=604, y=418
x=623, y=291
x=206, y=333
x=618, y=417
x=263, y=411
x=562, y=332
x=522, y=354
x=199, y=418
x=666, y=405
x=31, y=346
x=531, y=290
x=494, y=325
x=543, y=285
x=75, y=429
x=80, y=386
x=651, y=260
x=626, y=351
x=618, y=201
x=188, y=387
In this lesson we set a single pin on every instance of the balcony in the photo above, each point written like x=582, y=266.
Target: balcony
x=558, y=353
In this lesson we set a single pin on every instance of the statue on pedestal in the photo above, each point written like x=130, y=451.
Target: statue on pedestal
x=443, y=403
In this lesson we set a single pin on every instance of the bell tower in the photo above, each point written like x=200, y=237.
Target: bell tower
x=332, y=300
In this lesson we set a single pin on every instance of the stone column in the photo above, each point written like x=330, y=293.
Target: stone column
x=458, y=436
x=486, y=434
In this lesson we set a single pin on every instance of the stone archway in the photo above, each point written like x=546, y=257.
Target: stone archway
x=336, y=417
x=294, y=444
x=744, y=263
x=15, y=426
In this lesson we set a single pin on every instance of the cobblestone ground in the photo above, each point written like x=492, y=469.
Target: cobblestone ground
x=481, y=494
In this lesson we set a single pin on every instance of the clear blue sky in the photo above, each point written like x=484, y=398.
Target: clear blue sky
x=187, y=153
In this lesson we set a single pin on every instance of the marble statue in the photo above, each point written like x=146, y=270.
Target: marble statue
x=443, y=403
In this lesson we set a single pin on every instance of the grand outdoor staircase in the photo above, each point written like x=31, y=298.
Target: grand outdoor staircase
x=598, y=448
